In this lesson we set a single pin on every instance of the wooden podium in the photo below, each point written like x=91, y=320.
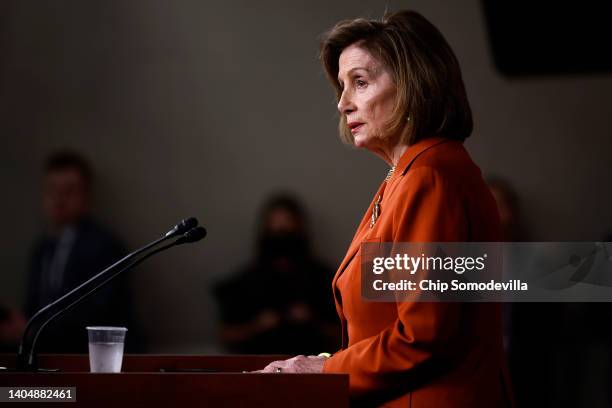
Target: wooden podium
x=182, y=381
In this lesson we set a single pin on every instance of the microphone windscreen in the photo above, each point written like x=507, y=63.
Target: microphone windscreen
x=182, y=227
x=195, y=234
x=186, y=225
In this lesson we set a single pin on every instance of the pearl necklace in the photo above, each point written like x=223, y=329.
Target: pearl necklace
x=390, y=173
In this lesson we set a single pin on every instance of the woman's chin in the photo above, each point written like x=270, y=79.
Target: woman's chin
x=365, y=142
x=360, y=141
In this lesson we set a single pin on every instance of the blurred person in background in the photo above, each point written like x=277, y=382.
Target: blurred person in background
x=12, y=324
x=280, y=302
x=73, y=248
x=513, y=230
x=528, y=353
x=508, y=205
x=552, y=347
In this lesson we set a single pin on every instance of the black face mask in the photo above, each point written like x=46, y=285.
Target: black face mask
x=286, y=244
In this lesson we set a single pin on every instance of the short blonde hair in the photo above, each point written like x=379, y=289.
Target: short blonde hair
x=423, y=66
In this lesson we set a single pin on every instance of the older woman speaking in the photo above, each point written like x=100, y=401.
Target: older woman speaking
x=401, y=96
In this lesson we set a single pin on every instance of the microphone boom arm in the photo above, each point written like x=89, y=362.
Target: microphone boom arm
x=30, y=363
x=27, y=350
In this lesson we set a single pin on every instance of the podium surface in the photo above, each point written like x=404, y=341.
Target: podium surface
x=181, y=380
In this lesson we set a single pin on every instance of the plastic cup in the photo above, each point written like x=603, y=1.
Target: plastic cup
x=106, y=348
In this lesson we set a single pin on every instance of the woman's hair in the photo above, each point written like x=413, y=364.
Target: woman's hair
x=430, y=90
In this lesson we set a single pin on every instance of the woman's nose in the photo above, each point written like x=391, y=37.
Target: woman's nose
x=345, y=104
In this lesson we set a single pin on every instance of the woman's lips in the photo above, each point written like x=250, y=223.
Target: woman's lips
x=355, y=127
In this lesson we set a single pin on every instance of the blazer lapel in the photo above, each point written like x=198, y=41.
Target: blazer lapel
x=352, y=251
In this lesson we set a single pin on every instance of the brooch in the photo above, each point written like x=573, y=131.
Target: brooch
x=375, y=211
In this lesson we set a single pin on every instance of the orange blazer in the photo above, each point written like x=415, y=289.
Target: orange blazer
x=423, y=354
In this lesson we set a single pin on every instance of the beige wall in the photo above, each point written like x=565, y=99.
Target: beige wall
x=196, y=108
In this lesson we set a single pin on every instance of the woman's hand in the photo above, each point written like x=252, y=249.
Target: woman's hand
x=297, y=364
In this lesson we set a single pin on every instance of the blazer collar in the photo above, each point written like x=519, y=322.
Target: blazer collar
x=414, y=150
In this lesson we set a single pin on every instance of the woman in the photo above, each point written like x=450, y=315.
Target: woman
x=401, y=96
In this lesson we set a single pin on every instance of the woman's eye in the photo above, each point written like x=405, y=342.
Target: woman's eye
x=361, y=83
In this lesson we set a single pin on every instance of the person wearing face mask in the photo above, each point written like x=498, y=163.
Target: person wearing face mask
x=285, y=288
x=401, y=96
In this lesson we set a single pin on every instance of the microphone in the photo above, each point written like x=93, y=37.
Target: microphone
x=182, y=227
x=193, y=235
x=26, y=356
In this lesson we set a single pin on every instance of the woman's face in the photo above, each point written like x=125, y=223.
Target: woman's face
x=368, y=97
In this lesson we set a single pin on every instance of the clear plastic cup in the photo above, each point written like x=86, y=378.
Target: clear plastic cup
x=106, y=348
